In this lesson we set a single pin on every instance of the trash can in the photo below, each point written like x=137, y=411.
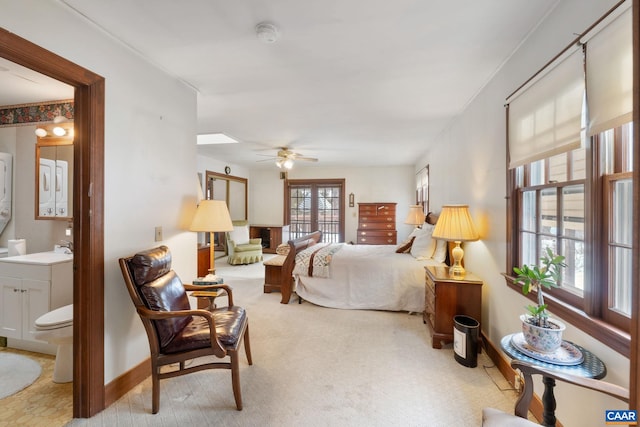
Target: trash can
x=465, y=340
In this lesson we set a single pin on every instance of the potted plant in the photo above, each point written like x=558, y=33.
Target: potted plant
x=540, y=332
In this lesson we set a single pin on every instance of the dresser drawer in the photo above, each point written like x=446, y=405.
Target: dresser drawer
x=377, y=225
x=377, y=233
x=377, y=240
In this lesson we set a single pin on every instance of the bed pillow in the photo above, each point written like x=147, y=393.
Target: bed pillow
x=405, y=247
x=423, y=245
x=440, y=253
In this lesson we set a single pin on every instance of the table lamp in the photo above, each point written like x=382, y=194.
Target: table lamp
x=415, y=216
x=212, y=216
x=454, y=224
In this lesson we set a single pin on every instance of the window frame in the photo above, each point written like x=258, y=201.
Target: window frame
x=591, y=314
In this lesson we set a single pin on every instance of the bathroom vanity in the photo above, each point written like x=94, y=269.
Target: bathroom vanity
x=30, y=286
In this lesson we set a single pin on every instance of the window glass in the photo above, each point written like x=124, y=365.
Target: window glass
x=529, y=212
x=558, y=168
x=621, y=300
x=536, y=173
x=573, y=274
x=607, y=158
x=579, y=164
x=548, y=211
x=622, y=221
x=573, y=211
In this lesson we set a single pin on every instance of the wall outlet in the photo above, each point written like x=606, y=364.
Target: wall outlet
x=67, y=232
x=158, y=234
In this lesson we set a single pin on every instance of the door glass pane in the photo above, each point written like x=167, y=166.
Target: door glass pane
x=621, y=292
x=528, y=219
x=548, y=208
x=300, y=211
x=573, y=211
x=329, y=213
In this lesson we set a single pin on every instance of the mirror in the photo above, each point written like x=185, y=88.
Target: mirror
x=233, y=190
x=54, y=177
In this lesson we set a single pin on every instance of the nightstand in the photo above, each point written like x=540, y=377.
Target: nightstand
x=446, y=297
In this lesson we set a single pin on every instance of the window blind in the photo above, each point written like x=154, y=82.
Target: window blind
x=545, y=117
x=610, y=75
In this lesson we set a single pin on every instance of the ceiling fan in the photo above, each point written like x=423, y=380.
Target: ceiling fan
x=285, y=158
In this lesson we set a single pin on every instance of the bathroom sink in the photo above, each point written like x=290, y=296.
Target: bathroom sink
x=44, y=258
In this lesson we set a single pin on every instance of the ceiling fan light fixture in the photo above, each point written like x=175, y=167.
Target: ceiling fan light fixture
x=266, y=32
x=288, y=163
x=279, y=163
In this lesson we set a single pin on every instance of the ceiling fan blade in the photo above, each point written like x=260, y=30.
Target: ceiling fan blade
x=270, y=159
x=307, y=159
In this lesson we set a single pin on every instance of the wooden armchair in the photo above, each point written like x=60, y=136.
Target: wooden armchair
x=495, y=418
x=176, y=332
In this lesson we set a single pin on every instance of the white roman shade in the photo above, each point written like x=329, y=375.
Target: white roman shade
x=545, y=116
x=610, y=75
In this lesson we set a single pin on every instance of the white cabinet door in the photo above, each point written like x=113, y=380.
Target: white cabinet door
x=35, y=303
x=11, y=307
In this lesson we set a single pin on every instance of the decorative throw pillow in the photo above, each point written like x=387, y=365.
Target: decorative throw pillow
x=405, y=247
x=283, y=249
x=440, y=254
x=239, y=235
x=423, y=245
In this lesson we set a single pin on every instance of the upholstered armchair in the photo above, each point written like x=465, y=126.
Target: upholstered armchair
x=178, y=334
x=243, y=249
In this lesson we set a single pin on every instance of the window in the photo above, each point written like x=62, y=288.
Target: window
x=312, y=205
x=574, y=194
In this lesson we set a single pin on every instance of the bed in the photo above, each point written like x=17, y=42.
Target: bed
x=373, y=277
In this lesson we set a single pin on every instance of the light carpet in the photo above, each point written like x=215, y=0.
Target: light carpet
x=17, y=372
x=315, y=366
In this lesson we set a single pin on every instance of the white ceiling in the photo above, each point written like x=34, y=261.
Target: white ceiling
x=351, y=82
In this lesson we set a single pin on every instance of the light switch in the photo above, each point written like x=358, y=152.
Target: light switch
x=158, y=234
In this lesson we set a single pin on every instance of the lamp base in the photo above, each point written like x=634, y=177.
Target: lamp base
x=456, y=270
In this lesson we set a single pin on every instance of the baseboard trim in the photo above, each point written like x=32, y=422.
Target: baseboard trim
x=504, y=366
x=125, y=382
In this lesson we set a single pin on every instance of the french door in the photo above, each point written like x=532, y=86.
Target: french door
x=315, y=204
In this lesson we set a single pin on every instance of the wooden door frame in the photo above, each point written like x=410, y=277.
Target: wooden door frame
x=88, y=215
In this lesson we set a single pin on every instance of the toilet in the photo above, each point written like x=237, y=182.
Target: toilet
x=56, y=327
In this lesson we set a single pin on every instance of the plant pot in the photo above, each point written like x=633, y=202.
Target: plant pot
x=544, y=340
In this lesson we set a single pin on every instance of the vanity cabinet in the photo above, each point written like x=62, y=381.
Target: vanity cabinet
x=27, y=291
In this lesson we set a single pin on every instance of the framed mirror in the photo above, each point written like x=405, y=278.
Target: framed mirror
x=233, y=190
x=54, y=176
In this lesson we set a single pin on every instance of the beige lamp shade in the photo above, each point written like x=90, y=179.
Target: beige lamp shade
x=454, y=224
x=212, y=215
x=415, y=215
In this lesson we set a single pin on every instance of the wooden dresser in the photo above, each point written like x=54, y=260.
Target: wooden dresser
x=446, y=297
x=377, y=224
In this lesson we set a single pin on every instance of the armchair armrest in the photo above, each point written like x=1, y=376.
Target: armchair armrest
x=256, y=241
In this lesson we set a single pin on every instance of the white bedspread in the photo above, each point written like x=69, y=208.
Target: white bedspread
x=369, y=277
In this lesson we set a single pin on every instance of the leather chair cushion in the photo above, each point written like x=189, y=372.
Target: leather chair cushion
x=150, y=264
x=228, y=320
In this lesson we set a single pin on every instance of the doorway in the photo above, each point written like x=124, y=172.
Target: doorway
x=88, y=210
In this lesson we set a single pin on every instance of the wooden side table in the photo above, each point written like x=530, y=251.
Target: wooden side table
x=446, y=297
x=590, y=367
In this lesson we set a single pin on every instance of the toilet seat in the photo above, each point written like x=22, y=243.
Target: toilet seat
x=56, y=319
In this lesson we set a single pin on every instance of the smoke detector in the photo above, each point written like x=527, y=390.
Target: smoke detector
x=266, y=32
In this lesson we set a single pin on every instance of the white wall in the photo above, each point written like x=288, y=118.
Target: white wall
x=374, y=184
x=477, y=137
x=150, y=159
